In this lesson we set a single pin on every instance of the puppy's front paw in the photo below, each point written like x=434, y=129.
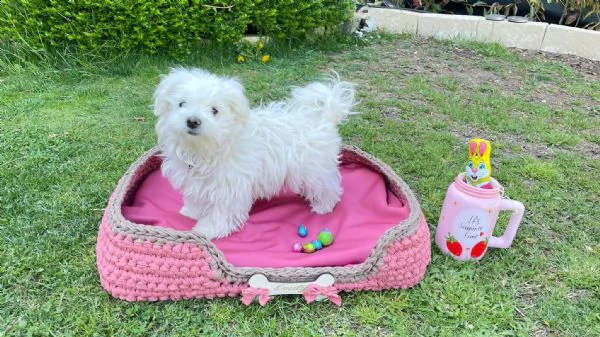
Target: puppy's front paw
x=211, y=230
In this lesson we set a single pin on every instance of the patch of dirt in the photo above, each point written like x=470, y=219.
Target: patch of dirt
x=590, y=69
x=459, y=63
x=577, y=294
x=449, y=61
x=534, y=149
x=528, y=294
x=541, y=332
x=392, y=62
x=464, y=133
x=549, y=95
x=591, y=150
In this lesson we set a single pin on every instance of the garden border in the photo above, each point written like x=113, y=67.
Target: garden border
x=530, y=35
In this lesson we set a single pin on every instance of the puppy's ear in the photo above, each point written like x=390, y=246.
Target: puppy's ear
x=236, y=99
x=166, y=86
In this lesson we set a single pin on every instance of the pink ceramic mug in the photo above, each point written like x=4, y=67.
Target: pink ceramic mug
x=468, y=219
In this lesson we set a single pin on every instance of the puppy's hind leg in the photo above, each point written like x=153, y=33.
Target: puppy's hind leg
x=323, y=190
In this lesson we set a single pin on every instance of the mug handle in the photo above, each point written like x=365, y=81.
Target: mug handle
x=506, y=239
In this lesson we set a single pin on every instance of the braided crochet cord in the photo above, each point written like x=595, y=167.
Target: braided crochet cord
x=137, y=262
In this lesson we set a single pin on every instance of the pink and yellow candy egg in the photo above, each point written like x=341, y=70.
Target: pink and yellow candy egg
x=309, y=247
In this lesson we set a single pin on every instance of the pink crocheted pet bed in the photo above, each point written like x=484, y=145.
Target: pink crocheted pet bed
x=146, y=251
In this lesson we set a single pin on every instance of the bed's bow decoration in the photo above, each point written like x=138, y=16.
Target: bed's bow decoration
x=315, y=292
x=249, y=294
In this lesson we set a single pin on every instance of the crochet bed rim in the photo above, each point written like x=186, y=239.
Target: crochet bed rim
x=118, y=225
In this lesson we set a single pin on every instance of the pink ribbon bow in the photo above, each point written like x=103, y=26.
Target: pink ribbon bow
x=312, y=291
x=249, y=294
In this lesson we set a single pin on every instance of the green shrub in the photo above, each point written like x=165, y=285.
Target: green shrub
x=294, y=19
x=170, y=26
x=127, y=24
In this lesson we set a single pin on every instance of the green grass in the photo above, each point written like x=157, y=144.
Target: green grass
x=67, y=135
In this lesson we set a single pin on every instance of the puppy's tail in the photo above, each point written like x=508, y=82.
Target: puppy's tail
x=333, y=99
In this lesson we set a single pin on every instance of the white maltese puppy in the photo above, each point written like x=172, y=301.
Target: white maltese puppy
x=223, y=155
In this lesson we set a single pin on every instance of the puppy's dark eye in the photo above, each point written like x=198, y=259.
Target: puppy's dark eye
x=215, y=111
x=181, y=104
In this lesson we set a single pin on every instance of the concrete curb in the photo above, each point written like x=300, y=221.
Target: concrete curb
x=531, y=35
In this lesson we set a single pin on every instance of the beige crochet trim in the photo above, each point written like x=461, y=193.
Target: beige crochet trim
x=151, y=161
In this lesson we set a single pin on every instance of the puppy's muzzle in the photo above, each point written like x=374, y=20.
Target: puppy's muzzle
x=193, y=125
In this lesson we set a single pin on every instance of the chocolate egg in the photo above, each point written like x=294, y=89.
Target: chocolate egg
x=308, y=248
x=318, y=245
x=302, y=231
x=325, y=237
x=297, y=247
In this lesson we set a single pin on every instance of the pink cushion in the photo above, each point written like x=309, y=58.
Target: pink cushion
x=366, y=211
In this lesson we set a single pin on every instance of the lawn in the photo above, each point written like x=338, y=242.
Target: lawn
x=68, y=134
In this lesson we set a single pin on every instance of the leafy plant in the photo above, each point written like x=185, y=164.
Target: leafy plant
x=575, y=10
x=435, y=6
x=295, y=19
x=166, y=26
x=536, y=10
x=498, y=8
x=151, y=26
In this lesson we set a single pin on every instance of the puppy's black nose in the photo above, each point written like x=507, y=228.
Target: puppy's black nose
x=193, y=122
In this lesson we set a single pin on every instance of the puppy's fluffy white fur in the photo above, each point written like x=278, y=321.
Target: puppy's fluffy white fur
x=223, y=155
